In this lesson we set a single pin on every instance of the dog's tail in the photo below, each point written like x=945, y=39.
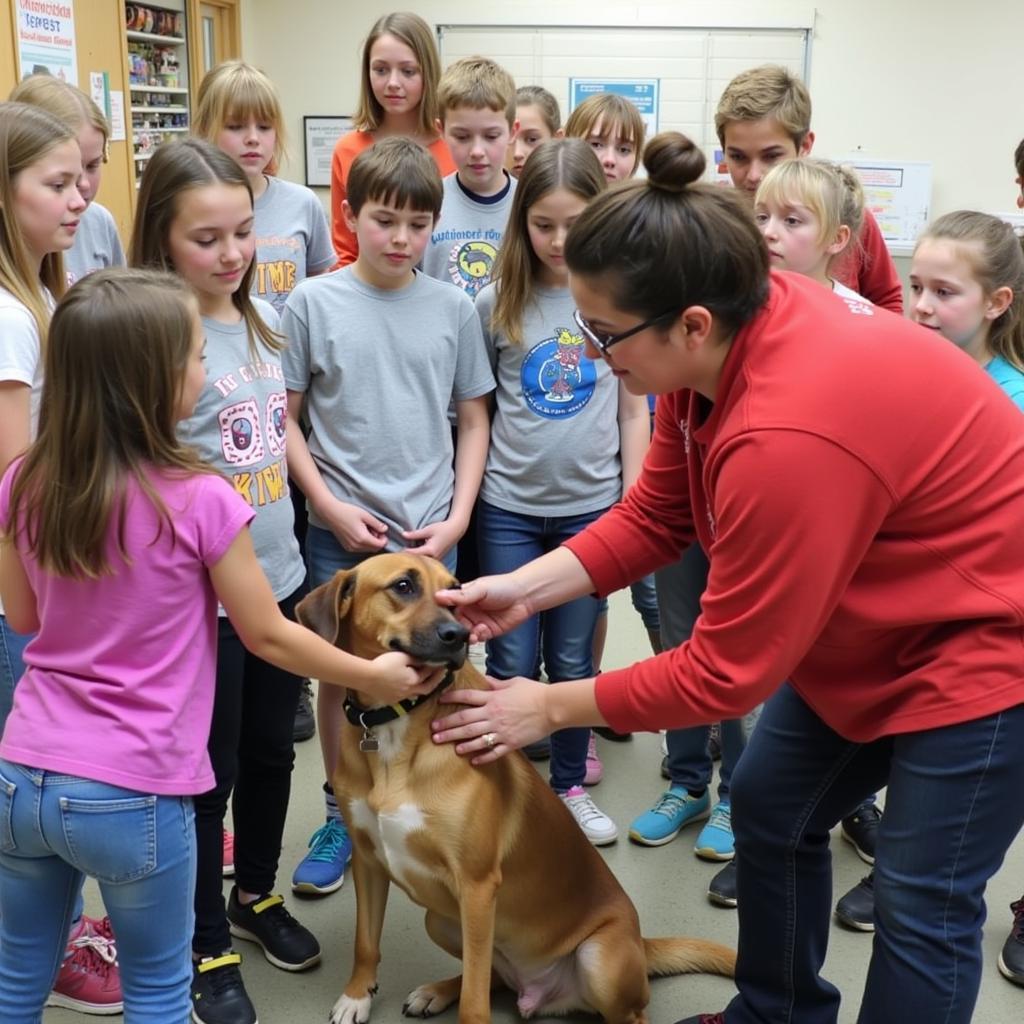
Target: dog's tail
x=688, y=956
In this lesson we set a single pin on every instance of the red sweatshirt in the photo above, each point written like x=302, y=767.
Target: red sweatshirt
x=858, y=485
x=868, y=269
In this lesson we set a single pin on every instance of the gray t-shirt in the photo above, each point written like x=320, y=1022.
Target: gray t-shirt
x=555, y=435
x=239, y=427
x=97, y=244
x=465, y=243
x=293, y=240
x=379, y=369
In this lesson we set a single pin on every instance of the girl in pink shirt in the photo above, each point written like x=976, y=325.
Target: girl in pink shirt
x=118, y=543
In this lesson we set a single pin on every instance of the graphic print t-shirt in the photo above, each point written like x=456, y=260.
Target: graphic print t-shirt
x=293, y=240
x=239, y=427
x=555, y=435
x=465, y=243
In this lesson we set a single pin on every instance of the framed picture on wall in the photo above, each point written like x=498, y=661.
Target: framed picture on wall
x=320, y=134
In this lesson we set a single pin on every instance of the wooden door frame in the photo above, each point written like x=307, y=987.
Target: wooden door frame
x=232, y=25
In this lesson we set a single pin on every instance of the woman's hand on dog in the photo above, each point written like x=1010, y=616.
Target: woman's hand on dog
x=490, y=605
x=396, y=676
x=504, y=718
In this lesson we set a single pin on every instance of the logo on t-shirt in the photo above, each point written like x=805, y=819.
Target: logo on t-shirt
x=556, y=380
x=470, y=265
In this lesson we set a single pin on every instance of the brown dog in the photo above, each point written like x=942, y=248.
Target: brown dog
x=509, y=882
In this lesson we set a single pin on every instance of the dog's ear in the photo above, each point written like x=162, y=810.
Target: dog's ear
x=324, y=609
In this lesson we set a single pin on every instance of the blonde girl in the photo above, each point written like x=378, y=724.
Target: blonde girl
x=195, y=218
x=565, y=440
x=397, y=96
x=613, y=127
x=97, y=243
x=967, y=283
x=810, y=212
x=539, y=120
x=118, y=543
x=239, y=111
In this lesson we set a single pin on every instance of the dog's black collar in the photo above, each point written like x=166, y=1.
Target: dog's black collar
x=370, y=718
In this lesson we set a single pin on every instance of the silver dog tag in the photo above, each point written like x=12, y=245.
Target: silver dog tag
x=369, y=744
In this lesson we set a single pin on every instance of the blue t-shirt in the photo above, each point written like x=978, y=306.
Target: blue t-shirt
x=1009, y=378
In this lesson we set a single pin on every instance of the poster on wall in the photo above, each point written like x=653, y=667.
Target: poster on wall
x=641, y=92
x=899, y=195
x=321, y=134
x=46, y=39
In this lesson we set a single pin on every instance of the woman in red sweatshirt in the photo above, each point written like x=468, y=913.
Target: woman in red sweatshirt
x=859, y=488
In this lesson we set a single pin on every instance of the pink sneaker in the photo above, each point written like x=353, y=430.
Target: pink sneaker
x=88, y=980
x=229, y=855
x=595, y=770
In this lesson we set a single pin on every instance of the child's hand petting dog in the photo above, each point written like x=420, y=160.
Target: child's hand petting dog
x=398, y=677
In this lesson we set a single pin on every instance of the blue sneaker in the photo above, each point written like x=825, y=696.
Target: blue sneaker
x=674, y=809
x=322, y=870
x=715, y=840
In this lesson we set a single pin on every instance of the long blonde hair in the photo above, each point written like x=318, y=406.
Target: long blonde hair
x=412, y=30
x=175, y=168
x=234, y=89
x=558, y=163
x=113, y=379
x=27, y=134
x=65, y=101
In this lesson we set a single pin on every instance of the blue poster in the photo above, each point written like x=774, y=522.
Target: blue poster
x=642, y=92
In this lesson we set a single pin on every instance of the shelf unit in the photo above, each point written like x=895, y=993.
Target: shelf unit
x=158, y=76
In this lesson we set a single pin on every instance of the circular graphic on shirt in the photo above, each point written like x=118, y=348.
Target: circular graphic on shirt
x=470, y=265
x=557, y=381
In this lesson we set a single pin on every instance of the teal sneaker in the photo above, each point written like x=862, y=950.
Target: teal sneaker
x=715, y=840
x=322, y=870
x=674, y=809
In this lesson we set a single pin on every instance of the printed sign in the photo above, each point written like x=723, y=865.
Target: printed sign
x=642, y=92
x=46, y=39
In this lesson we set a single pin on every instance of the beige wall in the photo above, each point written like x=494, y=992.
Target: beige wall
x=935, y=80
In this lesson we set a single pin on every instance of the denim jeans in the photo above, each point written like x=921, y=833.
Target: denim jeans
x=55, y=830
x=252, y=750
x=325, y=556
x=680, y=587
x=564, y=635
x=952, y=808
x=12, y=665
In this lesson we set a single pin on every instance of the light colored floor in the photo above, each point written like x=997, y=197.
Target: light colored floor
x=668, y=885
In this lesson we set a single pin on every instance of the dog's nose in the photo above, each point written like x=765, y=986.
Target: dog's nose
x=452, y=634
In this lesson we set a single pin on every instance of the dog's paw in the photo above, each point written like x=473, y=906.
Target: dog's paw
x=428, y=1001
x=348, y=1010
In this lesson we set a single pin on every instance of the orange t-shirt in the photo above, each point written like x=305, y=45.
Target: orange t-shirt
x=347, y=149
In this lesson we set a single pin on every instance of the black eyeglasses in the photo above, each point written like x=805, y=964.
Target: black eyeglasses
x=602, y=342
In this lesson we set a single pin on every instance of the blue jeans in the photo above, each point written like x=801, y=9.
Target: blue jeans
x=12, y=665
x=680, y=587
x=325, y=556
x=952, y=808
x=564, y=635
x=56, y=829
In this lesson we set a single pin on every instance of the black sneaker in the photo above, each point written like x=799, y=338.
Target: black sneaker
x=286, y=943
x=722, y=889
x=218, y=995
x=715, y=742
x=305, y=720
x=857, y=908
x=1011, y=959
x=861, y=830
x=611, y=734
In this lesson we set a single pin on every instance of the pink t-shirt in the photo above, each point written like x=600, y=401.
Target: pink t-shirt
x=119, y=680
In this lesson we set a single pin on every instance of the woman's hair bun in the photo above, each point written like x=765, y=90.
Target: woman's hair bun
x=672, y=162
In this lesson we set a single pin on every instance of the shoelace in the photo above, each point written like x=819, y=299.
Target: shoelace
x=92, y=954
x=585, y=808
x=223, y=972
x=272, y=910
x=721, y=817
x=669, y=805
x=1018, y=919
x=326, y=842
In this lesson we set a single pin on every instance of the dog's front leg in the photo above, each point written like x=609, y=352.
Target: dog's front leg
x=372, y=885
x=477, y=906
